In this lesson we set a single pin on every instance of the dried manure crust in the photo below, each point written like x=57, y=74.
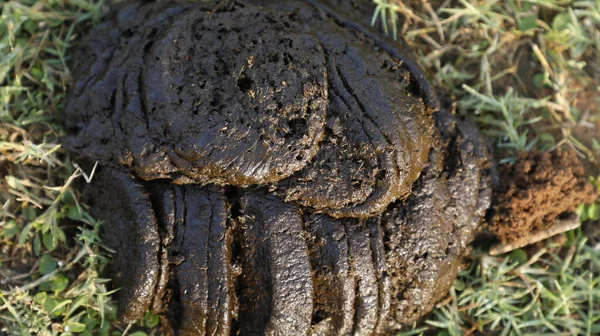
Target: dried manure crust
x=272, y=169
x=536, y=190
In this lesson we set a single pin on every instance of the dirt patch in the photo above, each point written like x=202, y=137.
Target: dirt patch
x=537, y=189
x=588, y=131
x=591, y=230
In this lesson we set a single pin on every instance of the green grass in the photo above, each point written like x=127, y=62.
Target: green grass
x=553, y=292
x=51, y=258
x=50, y=254
x=510, y=64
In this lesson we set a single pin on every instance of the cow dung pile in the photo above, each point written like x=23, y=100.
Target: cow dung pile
x=271, y=168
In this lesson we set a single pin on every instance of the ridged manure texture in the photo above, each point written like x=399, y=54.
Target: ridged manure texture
x=271, y=168
x=240, y=95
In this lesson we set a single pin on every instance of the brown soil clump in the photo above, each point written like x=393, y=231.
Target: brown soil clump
x=535, y=190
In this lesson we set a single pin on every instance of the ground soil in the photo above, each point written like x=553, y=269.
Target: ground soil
x=588, y=132
x=591, y=230
x=537, y=189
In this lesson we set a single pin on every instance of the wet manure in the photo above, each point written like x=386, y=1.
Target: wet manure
x=271, y=168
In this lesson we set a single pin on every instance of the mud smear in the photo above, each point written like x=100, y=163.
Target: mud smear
x=591, y=230
x=536, y=190
x=272, y=170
